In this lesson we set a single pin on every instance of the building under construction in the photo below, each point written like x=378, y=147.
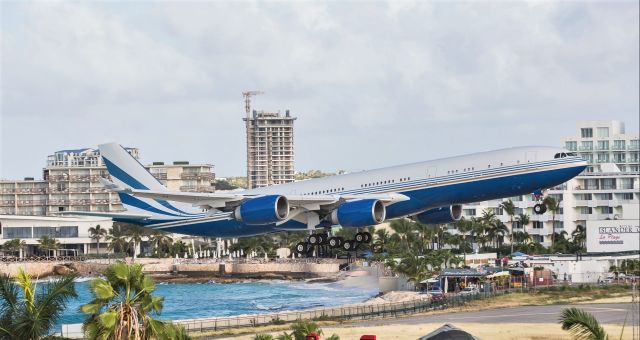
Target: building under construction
x=270, y=155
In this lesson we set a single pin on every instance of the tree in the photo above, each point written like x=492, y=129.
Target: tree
x=135, y=238
x=464, y=227
x=302, y=328
x=117, y=239
x=161, y=242
x=14, y=245
x=30, y=313
x=381, y=239
x=122, y=305
x=553, y=206
x=96, y=233
x=524, y=221
x=579, y=236
x=49, y=243
x=510, y=209
x=403, y=229
x=581, y=324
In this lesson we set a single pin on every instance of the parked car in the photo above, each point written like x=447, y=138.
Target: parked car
x=469, y=291
x=436, y=294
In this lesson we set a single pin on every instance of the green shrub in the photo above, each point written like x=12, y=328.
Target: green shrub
x=263, y=337
x=302, y=328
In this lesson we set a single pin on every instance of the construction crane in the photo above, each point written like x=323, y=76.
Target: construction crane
x=247, y=100
x=247, y=106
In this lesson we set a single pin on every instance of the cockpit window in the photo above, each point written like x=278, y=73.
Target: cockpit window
x=563, y=155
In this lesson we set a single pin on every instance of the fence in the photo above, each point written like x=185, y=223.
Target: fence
x=361, y=312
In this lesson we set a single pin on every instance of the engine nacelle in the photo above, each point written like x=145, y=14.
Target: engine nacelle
x=263, y=210
x=360, y=213
x=440, y=215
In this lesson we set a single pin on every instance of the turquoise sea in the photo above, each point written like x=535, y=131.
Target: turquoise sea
x=193, y=300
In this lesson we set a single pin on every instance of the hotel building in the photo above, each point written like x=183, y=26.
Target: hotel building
x=608, y=189
x=70, y=182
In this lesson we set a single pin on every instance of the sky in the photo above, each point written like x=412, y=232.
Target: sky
x=373, y=83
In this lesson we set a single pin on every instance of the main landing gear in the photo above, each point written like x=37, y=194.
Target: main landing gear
x=333, y=242
x=540, y=208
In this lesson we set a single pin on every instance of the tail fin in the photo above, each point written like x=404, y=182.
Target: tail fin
x=126, y=172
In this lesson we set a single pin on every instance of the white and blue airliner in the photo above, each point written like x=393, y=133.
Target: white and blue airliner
x=430, y=192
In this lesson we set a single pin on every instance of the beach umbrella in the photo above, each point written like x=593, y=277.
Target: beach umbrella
x=185, y=255
x=195, y=256
x=241, y=252
x=265, y=256
x=176, y=255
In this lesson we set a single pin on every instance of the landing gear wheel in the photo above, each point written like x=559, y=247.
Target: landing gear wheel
x=349, y=245
x=539, y=209
x=335, y=242
x=360, y=237
x=367, y=237
x=301, y=248
x=314, y=239
x=322, y=238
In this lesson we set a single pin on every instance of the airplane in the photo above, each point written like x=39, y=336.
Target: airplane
x=430, y=192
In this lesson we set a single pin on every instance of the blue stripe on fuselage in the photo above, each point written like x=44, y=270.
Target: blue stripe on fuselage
x=421, y=200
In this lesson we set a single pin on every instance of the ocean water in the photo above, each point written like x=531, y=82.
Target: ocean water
x=193, y=300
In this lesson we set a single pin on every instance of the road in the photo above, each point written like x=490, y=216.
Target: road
x=606, y=313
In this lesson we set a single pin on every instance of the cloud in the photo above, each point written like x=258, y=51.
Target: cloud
x=372, y=83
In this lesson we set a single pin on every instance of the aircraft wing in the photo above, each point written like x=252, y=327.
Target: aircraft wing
x=124, y=216
x=222, y=200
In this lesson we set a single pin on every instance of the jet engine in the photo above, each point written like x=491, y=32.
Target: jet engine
x=440, y=215
x=359, y=213
x=263, y=210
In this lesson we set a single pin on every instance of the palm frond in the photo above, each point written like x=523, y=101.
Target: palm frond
x=583, y=325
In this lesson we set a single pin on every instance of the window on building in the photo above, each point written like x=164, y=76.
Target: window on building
x=586, y=132
x=571, y=146
x=38, y=232
x=538, y=224
x=603, y=157
x=16, y=232
x=498, y=211
x=618, y=145
x=537, y=238
x=626, y=183
x=603, y=132
x=586, y=210
x=558, y=225
x=603, y=145
x=607, y=210
x=586, y=145
x=469, y=212
x=68, y=231
x=627, y=196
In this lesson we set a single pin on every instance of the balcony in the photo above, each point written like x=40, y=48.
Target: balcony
x=200, y=175
x=585, y=148
x=633, y=147
x=602, y=147
x=618, y=147
x=541, y=231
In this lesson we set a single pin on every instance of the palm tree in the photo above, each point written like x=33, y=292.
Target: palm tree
x=29, y=313
x=381, y=239
x=581, y=324
x=117, y=239
x=553, y=206
x=464, y=227
x=122, y=304
x=524, y=221
x=161, y=241
x=579, y=236
x=49, y=243
x=402, y=228
x=510, y=209
x=135, y=235
x=14, y=245
x=96, y=233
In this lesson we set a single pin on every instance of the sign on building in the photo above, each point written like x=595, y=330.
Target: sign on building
x=613, y=235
